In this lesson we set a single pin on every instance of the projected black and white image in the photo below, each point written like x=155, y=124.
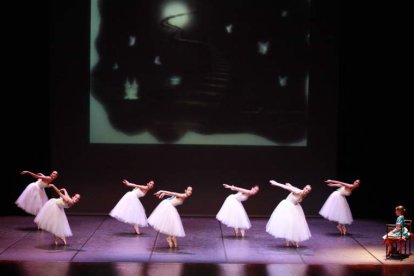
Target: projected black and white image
x=216, y=72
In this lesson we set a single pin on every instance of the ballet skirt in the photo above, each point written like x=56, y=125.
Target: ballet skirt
x=288, y=220
x=129, y=208
x=232, y=213
x=165, y=218
x=336, y=207
x=33, y=197
x=52, y=218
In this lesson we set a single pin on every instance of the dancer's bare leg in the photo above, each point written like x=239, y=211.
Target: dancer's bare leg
x=236, y=232
x=174, y=240
x=170, y=242
x=242, y=232
x=287, y=243
x=136, y=227
x=339, y=226
x=297, y=244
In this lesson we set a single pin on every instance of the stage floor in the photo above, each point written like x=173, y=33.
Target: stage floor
x=103, y=245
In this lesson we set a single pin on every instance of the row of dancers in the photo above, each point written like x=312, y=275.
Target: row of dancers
x=287, y=221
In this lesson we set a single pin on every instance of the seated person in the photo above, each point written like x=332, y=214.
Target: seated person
x=399, y=234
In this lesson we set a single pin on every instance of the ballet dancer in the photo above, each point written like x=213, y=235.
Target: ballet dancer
x=232, y=213
x=336, y=207
x=129, y=208
x=288, y=219
x=52, y=216
x=34, y=195
x=165, y=217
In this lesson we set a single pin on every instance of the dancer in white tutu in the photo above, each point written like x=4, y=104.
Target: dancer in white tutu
x=129, y=208
x=336, y=207
x=52, y=216
x=34, y=195
x=288, y=219
x=232, y=213
x=165, y=217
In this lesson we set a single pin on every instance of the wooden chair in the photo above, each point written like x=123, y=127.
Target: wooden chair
x=401, y=244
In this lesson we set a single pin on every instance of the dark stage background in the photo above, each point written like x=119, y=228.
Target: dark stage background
x=350, y=132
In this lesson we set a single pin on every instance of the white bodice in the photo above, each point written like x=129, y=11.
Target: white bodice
x=175, y=201
x=138, y=192
x=240, y=196
x=295, y=199
x=344, y=191
x=61, y=203
x=41, y=183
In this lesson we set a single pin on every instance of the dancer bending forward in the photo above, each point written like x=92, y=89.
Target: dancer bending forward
x=165, y=217
x=34, y=195
x=288, y=219
x=232, y=213
x=52, y=216
x=336, y=207
x=129, y=208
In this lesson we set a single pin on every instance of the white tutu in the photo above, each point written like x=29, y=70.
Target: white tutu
x=33, y=197
x=336, y=208
x=233, y=214
x=166, y=219
x=52, y=218
x=288, y=221
x=129, y=209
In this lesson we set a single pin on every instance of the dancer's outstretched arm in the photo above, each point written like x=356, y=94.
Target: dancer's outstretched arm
x=133, y=185
x=37, y=175
x=286, y=186
x=162, y=193
x=336, y=183
x=237, y=189
x=61, y=192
